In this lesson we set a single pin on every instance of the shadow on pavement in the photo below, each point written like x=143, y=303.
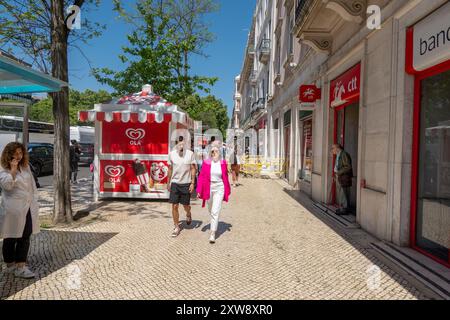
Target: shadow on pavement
x=221, y=228
x=51, y=251
x=345, y=234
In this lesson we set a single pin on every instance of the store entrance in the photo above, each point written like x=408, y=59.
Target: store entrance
x=346, y=134
x=287, y=148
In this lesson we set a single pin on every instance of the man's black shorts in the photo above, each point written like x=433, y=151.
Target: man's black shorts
x=179, y=193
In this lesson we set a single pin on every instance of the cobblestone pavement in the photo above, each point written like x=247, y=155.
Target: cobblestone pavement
x=270, y=247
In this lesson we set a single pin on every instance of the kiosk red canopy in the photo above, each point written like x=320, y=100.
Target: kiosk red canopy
x=134, y=131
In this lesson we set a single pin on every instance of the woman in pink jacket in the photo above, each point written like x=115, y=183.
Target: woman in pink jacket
x=214, y=187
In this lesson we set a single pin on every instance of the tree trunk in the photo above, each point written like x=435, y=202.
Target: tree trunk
x=62, y=209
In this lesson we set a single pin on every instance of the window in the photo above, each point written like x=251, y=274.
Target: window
x=278, y=63
x=433, y=193
x=291, y=35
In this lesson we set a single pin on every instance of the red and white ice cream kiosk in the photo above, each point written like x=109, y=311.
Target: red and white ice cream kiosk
x=138, y=126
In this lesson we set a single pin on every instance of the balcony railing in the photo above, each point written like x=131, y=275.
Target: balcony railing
x=302, y=10
x=258, y=105
x=264, y=50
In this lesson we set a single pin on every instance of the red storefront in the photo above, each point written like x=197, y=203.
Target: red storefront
x=428, y=60
x=344, y=100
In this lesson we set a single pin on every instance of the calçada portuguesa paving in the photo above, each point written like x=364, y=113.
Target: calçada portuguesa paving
x=270, y=247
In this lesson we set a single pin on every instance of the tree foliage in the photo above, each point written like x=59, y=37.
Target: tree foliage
x=39, y=31
x=159, y=49
x=78, y=101
x=25, y=29
x=210, y=110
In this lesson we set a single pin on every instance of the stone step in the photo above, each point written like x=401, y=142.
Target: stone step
x=418, y=269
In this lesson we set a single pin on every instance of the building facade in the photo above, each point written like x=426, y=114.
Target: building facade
x=373, y=76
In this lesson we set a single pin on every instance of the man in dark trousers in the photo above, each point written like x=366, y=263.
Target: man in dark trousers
x=344, y=173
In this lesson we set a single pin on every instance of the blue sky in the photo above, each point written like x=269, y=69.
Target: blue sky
x=230, y=26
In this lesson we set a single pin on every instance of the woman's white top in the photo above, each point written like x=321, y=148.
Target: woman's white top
x=18, y=195
x=216, y=171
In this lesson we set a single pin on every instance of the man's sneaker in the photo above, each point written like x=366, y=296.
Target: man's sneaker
x=212, y=238
x=176, y=231
x=24, y=273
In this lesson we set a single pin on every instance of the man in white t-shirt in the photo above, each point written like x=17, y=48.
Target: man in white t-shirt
x=181, y=182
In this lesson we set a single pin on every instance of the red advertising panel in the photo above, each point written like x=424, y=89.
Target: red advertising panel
x=135, y=138
x=345, y=89
x=118, y=175
x=309, y=94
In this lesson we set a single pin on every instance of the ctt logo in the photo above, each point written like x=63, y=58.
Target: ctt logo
x=308, y=94
x=339, y=90
x=136, y=136
x=114, y=172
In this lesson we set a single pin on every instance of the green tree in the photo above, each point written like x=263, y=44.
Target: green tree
x=40, y=30
x=78, y=101
x=210, y=110
x=158, y=52
x=42, y=111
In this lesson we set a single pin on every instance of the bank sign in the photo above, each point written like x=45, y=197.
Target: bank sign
x=428, y=42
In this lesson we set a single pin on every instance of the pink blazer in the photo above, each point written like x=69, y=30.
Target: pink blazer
x=204, y=181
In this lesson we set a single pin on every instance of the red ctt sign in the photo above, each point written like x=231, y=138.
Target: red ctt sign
x=309, y=94
x=345, y=89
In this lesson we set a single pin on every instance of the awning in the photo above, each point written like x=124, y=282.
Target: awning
x=17, y=78
x=144, y=106
x=135, y=117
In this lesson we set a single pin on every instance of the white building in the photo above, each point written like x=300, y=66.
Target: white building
x=383, y=93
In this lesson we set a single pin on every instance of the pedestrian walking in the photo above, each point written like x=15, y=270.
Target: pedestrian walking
x=75, y=152
x=142, y=175
x=235, y=164
x=91, y=169
x=344, y=173
x=214, y=187
x=19, y=209
x=181, y=182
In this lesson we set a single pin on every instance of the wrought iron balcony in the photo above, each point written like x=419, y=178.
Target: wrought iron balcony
x=258, y=105
x=264, y=51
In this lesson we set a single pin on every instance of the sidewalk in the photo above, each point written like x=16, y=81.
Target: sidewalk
x=82, y=197
x=268, y=247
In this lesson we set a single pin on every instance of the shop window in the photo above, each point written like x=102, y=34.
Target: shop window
x=433, y=198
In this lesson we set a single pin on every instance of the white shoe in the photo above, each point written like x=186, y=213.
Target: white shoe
x=212, y=238
x=24, y=273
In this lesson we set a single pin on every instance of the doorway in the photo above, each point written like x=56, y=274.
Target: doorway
x=287, y=147
x=287, y=143
x=346, y=134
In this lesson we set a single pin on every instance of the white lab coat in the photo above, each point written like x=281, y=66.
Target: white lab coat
x=18, y=196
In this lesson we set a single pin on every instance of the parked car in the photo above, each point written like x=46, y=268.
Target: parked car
x=41, y=157
x=87, y=153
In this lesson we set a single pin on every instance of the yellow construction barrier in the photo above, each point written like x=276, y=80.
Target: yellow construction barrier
x=254, y=166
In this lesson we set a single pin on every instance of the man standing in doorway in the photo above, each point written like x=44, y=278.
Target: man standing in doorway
x=344, y=173
x=181, y=182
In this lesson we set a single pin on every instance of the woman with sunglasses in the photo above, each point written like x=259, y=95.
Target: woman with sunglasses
x=214, y=187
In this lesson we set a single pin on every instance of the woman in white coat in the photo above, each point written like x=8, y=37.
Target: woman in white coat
x=19, y=209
